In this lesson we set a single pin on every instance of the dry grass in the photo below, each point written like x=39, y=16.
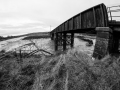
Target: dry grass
x=71, y=70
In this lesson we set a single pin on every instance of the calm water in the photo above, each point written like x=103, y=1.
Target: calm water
x=46, y=44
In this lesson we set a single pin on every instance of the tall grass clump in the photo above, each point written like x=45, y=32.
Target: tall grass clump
x=69, y=70
x=17, y=76
x=75, y=70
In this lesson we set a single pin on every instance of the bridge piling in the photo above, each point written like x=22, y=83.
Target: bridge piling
x=72, y=40
x=60, y=39
x=52, y=36
x=104, y=42
x=116, y=43
x=56, y=41
x=64, y=41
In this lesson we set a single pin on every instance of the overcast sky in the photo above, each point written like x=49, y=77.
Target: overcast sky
x=27, y=16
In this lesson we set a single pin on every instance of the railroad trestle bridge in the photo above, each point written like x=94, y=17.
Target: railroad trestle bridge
x=97, y=20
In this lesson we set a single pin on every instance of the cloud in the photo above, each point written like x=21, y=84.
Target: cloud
x=20, y=31
x=24, y=16
x=14, y=26
x=18, y=21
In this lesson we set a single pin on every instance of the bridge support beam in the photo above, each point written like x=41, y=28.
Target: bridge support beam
x=104, y=41
x=52, y=36
x=60, y=36
x=56, y=41
x=64, y=41
x=72, y=40
x=116, y=37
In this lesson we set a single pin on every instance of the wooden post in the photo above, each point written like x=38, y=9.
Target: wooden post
x=20, y=56
x=64, y=41
x=116, y=38
x=56, y=41
x=61, y=39
x=72, y=40
x=52, y=36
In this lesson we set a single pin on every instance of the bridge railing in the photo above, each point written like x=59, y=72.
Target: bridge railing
x=113, y=13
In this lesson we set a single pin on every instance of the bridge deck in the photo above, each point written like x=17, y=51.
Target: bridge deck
x=114, y=23
x=85, y=21
x=91, y=21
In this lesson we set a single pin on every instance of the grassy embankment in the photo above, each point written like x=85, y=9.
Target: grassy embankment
x=70, y=70
x=36, y=35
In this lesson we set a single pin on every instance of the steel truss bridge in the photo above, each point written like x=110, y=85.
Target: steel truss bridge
x=98, y=20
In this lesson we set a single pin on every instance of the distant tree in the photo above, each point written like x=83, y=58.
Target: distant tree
x=1, y=38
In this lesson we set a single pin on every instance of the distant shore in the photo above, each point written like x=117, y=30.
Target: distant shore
x=36, y=37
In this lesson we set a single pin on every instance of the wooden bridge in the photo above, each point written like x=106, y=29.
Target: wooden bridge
x=97, y=20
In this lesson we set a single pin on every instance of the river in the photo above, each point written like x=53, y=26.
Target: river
x=46, y=44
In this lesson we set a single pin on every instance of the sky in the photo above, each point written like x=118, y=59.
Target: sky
x=27, y=16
